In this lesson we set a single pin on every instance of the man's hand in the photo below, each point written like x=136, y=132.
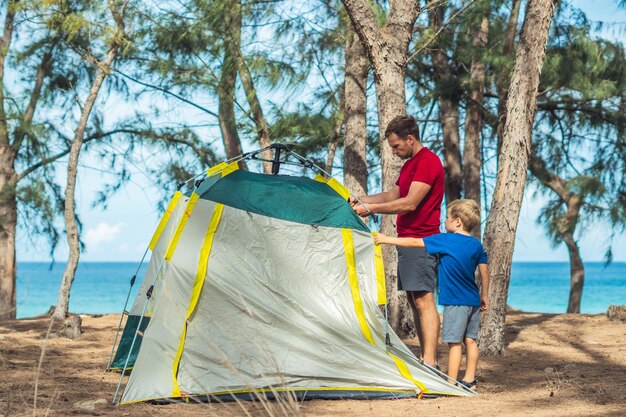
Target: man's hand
x=484, y=303
x=361, y=211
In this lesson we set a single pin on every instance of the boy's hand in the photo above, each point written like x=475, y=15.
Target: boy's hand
x=379, y=238
x=484, y=304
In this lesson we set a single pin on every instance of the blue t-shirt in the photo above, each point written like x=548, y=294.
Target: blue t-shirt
x=459, y=255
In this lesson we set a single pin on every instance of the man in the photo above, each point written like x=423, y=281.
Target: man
x=416, y=198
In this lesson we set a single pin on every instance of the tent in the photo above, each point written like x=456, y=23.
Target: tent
x=266, y=283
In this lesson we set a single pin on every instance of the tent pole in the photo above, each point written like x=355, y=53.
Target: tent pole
x=276, y=161
x=132, y=345
x=119, y=326
x=276, y=165
x=320, y=170
x=387, y=338
x=447, y=377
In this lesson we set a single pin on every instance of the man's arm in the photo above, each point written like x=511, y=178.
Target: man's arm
x=416, y=194
x=390, y=195
x=483, y=269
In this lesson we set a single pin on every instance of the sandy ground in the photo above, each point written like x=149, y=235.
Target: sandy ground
x=557, y=365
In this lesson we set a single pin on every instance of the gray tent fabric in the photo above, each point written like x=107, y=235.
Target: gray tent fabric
x=251, y=303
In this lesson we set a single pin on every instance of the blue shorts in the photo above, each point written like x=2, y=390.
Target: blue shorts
x=417, y=270
x=459, y=323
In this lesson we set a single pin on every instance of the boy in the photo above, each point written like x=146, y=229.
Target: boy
x=459, y=255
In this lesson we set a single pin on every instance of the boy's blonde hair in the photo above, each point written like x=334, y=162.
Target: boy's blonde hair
x=465, y=210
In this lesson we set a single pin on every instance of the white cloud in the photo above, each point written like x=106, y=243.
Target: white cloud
x=102, y=233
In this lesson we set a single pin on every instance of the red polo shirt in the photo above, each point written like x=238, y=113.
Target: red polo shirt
x=424, y=221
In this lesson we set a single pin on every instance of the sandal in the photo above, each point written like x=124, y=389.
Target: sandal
x=470, y=384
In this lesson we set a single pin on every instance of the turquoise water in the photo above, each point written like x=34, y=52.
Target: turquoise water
x=101, y=288
x=544, y=287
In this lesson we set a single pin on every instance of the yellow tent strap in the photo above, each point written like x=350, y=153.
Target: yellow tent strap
x=203, y=263
x=164, y=220
x=337, y=186
x=171, y=245
x=215, y=169
x=320, y=178
x=379, y=268
x=222, y=168
x=181, y=226
x=233, y=166
x=404, y=371
x=348, y=245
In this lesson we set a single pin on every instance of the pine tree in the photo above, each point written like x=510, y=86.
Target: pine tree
x=512, y=167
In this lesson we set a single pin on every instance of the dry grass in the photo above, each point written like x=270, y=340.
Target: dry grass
x=559, y=382
x=585, y=352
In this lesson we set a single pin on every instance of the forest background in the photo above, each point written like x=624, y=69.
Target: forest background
x=193, y=82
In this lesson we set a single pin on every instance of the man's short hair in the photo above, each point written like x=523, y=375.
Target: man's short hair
x=465, y=210
x=403, y=126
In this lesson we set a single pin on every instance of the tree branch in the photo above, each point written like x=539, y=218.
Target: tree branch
x=95, y=136
x=441, y=29
x=538, y=168
x=403, y=14
x=163, y=90
x=27, y=119
x=580, y=107
x=365, y=25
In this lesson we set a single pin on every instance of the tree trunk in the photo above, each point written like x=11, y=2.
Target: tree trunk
x=103, y=69
x=263, y=131
x=449, y=119
x=8, y=180
x=228, y=77
x=334, y=141
x=8, y=222
x=502, y=79
x=447, y=87
x=566, y=229
x=472, y=160
x=387, y=50
x=566, y=226
x=512, y=167
x=577, y=274
x=355, y=111
x=71, y=227
x=390, y=105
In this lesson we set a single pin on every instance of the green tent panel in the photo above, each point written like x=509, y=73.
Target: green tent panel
x=126, y=341
x=296, y=199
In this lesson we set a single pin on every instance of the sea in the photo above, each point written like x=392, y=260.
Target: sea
x=103, y=287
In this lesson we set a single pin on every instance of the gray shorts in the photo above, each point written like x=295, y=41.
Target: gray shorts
x=417, y=270
x=459, y=323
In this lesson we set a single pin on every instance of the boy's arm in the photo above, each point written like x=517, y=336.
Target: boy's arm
x=483, y=269
x=399, y=241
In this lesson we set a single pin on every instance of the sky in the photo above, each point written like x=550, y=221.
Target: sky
x=121, y=232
